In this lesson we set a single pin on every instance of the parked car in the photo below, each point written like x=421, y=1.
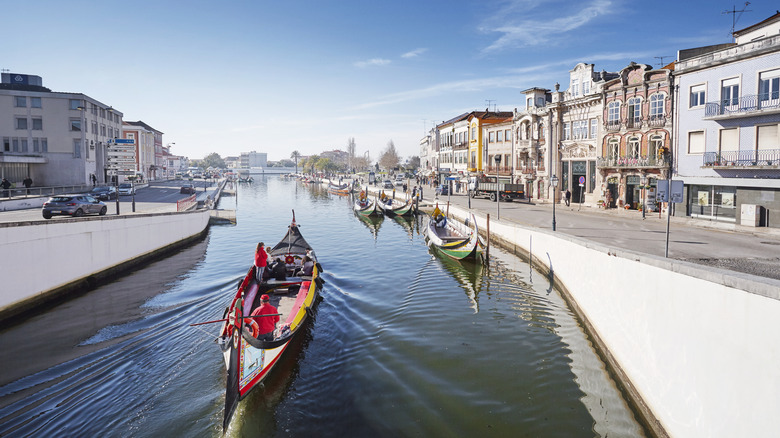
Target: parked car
x=399, y=180
x=126, y=189
x=73, y=205
x=387, y=184
x=187, y=189
x=104, y=193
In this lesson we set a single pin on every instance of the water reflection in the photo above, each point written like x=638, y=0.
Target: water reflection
x=467, y=273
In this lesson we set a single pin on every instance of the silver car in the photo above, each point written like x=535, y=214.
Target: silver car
x=73, y=205
x=126, y=189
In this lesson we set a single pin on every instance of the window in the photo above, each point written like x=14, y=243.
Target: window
x=20, y=102
x=35, y=102
x=44, y=145
x=575, y=87
x=613, y=149
x=567, y=131
x=6, y=144
x=729, y=92
x=36, y=145
x=657, y=106
x=634, y=111
x=75, y=104
x=769, y=86
x=540, y=101
x=541, y=132
x=94, y=128
x=729, y=140
x=696, y=142
x=474, y=133
x=697, y=96
x=500, y=136
x=656, y=143
x=594, y=128
x=103, y=130
x=492, y=137
x=507, y=135
x=529, y=102
x=585, y=87
x=767, y=137
x=21, y=123
x=37, y=124
x=613, y=112
x=633, y=147
x=24, y=145
x=75, y=125
x=76, y=148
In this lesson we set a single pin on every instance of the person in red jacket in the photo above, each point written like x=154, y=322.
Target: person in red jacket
x=267, y=323
x=261, y=260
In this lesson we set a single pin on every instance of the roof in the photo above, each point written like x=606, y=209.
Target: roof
x=142, y=124
x=760, y=24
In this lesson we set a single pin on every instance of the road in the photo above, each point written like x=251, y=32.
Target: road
x=158, y=197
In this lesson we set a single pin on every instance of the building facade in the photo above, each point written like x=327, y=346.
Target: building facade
x=54, y=138
x=727, y=148
x=254, y=159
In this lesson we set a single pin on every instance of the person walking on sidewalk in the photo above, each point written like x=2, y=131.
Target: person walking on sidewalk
x=568, y=197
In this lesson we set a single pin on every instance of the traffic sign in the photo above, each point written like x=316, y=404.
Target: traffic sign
x=582, y=180
x=124, y=141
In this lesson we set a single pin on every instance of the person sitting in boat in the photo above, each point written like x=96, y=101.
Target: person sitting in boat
x=307, y=267
x=279, y=270
x=267, y=323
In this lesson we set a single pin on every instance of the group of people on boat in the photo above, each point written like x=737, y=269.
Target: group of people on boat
x=278, y=268
x=363, y=199
x=438, y=218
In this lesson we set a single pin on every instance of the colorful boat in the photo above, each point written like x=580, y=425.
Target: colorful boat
x=366, y=207
x=339, y=189
x=247, y=358
x=456, y=240
x=395, y=207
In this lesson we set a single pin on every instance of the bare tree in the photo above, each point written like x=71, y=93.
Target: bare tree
x=350, y=153
x=389, y=158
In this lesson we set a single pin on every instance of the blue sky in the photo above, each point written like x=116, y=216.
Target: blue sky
x=233, y=76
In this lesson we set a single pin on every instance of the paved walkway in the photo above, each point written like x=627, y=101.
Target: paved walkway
x=728, y=246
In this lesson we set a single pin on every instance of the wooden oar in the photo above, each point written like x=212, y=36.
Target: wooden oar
x=243, y=317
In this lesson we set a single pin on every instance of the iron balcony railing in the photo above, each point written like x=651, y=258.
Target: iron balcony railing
x=502, y=170
x=754, y=158
x=628, y=162
x=743, y=106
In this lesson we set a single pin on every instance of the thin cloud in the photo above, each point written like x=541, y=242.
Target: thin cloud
x=372, y=62
x=414, y=53
x=536, y=30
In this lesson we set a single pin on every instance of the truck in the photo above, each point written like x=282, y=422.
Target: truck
x=487, y=187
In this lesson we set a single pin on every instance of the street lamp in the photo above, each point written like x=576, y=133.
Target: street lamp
x=644, y=195
x=498, y=194
x=554, y=182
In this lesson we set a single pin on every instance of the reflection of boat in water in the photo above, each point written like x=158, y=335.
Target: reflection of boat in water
x=409, y=223
x=468, y=273
x=371, y=222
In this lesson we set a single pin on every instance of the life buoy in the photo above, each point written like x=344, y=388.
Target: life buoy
x=254, y=327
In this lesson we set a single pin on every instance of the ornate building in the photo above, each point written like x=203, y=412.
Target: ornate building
x=638, y=126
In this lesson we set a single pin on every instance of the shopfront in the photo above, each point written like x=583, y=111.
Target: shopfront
x=712, y=202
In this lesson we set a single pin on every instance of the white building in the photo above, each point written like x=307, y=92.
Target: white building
x=254, y=159
x=55, y=138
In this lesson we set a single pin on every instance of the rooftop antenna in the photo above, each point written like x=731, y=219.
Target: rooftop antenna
x=489, y=101
x=4, y=70
x=661, y=64
x=735, y=17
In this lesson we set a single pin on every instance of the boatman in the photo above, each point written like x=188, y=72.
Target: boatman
x=267, y=323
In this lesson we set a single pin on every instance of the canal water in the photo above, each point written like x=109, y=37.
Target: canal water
x=404, y=343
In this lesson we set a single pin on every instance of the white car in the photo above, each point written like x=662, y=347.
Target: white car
x=399, y=180
x=126, y=189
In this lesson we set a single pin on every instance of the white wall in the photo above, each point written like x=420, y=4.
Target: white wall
x=43, y=255
x=700, y=346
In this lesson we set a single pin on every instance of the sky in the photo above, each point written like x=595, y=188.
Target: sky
x=276, y=77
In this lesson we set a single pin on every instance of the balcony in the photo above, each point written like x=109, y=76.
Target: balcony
x=632, y=163
x=745, y=106
x=761, y=159
x=502, y=170
x=657, y=121
x=613, y=125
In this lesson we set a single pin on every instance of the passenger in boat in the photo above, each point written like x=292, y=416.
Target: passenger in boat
x=261, y=260
x=279, y=270
x=441, y=221
x=267, y=324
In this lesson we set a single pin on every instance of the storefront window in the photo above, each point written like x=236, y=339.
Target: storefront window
x=592, y=174
x=715, y=202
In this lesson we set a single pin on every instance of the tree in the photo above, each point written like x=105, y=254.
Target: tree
x=413, y=162
x=351, y=153
x=213, y=160
x=295, y=155
x=285, y=163
x=389, y=158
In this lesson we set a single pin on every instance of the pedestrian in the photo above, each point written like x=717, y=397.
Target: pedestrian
x=568, y=197
x=267, y=324
x=27, y=182
x=5, y=184
x=414, y=192
x=94, y=179
x=405, y=187
x=261, y=260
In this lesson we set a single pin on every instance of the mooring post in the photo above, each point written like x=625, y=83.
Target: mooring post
x=487, y=250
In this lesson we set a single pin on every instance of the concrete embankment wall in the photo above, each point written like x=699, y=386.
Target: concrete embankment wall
x=44, y=260
x=696, y=349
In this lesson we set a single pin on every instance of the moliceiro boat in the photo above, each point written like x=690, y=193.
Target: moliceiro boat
x=456, y=240
x=249, y=359
x=395, y=207
x=366, y=207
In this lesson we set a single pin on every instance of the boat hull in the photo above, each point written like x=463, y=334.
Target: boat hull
x=456, y=241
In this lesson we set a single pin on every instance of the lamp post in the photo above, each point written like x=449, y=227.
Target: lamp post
x=498, y=194
x=644, y=195
x=554, y=182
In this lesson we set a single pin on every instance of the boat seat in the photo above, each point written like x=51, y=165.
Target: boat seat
x=451, y=238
